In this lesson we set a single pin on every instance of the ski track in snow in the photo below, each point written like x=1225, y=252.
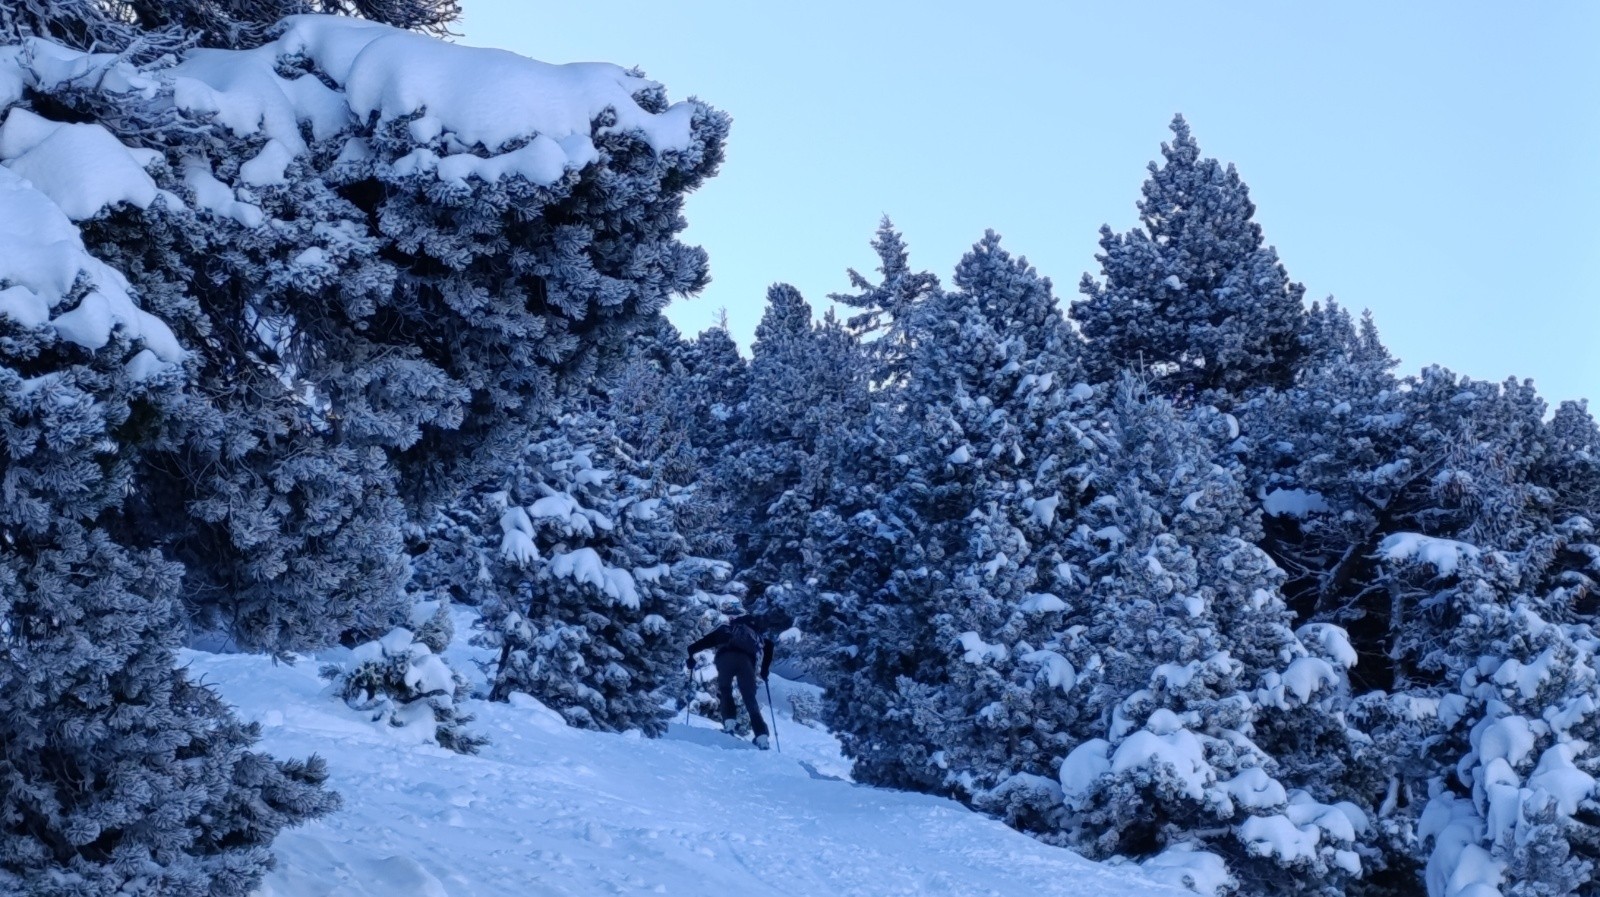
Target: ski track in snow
x=550, y=810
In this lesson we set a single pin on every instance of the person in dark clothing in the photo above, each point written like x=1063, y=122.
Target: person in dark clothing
x=740, y=645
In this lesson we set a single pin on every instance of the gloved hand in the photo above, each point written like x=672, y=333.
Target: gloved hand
x=691, y=663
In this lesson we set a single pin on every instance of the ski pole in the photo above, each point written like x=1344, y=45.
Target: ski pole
x=688, y=700
x=773, y=710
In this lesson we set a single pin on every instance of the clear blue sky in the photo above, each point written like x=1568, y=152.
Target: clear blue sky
x=1436, y=162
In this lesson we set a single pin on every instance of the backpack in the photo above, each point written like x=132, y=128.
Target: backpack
x=742, y=637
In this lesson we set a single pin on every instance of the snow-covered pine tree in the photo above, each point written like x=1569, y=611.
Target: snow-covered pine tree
x=1349, y=454
x=996, y=379
x=449, y=561
x=1509, y=740
x=1194, y=296
x=1317, y=453
x=279, y=498
x=117, y=774
x=950, y=646
x=887, y=307
x=714, y=385
x=807, y=381
x=383, y=309
x=596, y=591
x=1190, y=677
x=680, y=402
x=1570, y=467
x=401, y=680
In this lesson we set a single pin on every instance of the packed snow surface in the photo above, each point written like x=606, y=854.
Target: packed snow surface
x=550, y=810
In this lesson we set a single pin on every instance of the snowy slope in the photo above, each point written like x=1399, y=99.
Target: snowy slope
x=548, y=810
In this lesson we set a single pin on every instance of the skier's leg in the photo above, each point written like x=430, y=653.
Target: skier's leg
x=747, y=689
x=725, y=676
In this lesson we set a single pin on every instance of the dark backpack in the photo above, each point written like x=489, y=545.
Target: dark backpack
x=742, y=637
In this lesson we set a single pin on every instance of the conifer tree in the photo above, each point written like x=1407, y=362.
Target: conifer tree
x=386, y=342
x=806, y=382
x=681, y=402
x=1508, y=769
x=1308, y=447
x=596, y=591
x=117, y=774
x=973, y=456
x=1194, y=295
x=996, y=380
x=887, y=306
x=1192, y=676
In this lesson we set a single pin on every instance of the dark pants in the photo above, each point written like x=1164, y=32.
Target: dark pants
x=736, y=665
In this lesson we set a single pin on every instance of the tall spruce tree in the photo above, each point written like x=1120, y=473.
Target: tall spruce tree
x=1002, y=431
x=887, y=307
x=970, y=459
x=1194, y=295
x=807, y=382
x=681, y=402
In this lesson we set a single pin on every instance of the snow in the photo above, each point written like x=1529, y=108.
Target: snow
x=1183, y=866
x=1084, y=766
x=1557, y=776
x=516, y=544
x=1041, y=603
x=547, y=809
x=1444, y=555
x=1307, y=676
x=24, y=306
x=1276, y=836
x=428, y=673
x=1328, y=641
x=1458, y=866
x=1526, y=677
x=565, y=511
x=42, y=258
x=1253, y=789
x=1044, y=509
x=397, y=642
x=216, y=197
x=1294, y=503
x=1053, y=668
x=1180, y=753
x=81, y=167
x=976, y=650
x=268, y=166
x=1508, y=738
x=486, y=113
x=1176, y=675
x=585, y=566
